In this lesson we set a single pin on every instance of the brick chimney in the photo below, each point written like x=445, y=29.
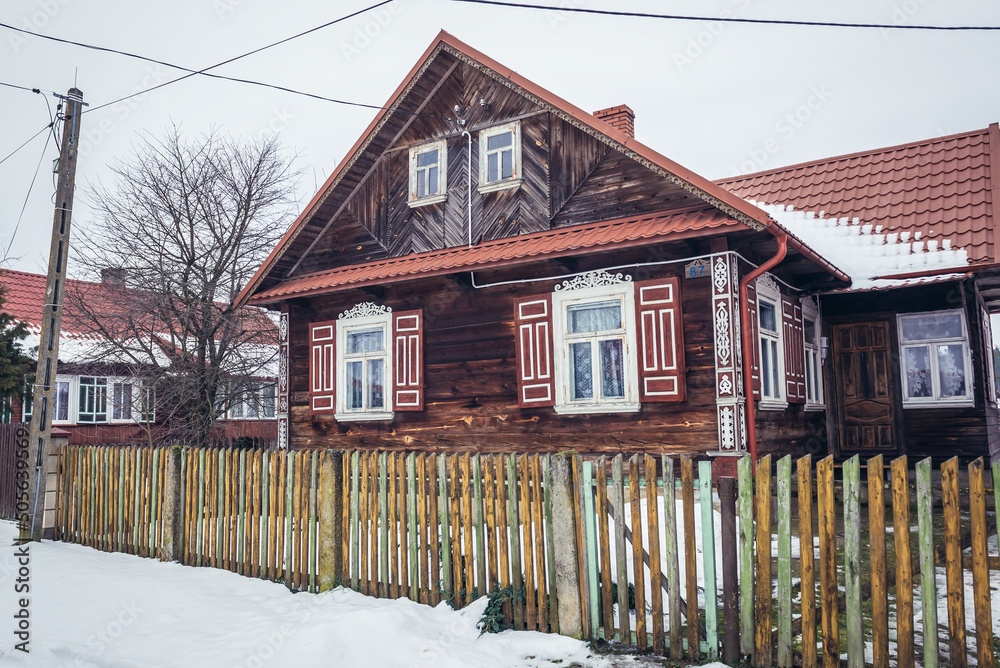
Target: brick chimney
x=113, y=276
x=620, y=118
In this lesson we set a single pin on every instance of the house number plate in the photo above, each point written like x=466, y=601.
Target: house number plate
x=697, y=269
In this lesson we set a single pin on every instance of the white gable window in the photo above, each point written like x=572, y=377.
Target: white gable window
x=772, y=371
x=500, y=157
x=813, y=358
x=594, y=346
x=934, y=358
x=428, y=173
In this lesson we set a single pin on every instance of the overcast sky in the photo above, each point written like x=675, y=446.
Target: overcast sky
x=718, y=98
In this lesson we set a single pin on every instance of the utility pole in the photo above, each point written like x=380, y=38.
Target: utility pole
x=43, y=396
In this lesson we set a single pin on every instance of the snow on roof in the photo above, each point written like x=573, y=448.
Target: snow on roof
x=864, y=251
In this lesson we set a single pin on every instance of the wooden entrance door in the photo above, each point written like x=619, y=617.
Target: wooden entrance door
x=865, y=386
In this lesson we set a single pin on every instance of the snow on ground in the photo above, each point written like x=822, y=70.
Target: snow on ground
x=93, y=609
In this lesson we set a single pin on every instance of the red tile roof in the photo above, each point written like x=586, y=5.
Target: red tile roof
x=25, y=296
x=943, y=188
x=573, y=240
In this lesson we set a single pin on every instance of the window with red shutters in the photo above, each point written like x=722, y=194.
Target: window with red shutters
x=322, y=368
x=660, y=339
x=408, y=358
x=795, y=368
x=533, y=346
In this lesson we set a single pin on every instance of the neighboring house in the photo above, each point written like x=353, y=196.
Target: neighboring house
x=493, y=269
x=110, y=402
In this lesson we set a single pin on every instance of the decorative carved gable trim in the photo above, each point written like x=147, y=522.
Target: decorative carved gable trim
x=365, y=310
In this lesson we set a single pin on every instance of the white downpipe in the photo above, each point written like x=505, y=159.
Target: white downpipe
x=469, y=170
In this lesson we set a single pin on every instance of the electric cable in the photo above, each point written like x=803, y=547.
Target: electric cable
x=730, y=19
x=27, y=195
x=11, y=154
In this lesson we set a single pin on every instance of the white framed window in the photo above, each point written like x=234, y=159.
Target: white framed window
x=132, y=401
x=64, y=393
x=813, y=355
x=364, y=358
x=253, y=400
x=772, y=358
x=428, y=173
x=935, y=359
x=500, y=157
x=93, y=399
x=991, y=379
x=594, y=345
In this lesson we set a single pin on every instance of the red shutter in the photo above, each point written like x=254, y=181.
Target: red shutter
x=794, y=344
x=660, y=339
x=322, y=367
x=408, y=361
x=533, y=343
x=754, y=351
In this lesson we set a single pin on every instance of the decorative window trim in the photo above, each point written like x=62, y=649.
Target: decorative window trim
x=813, y=353
x=561, y=300
x=767, y=291
x=442, y=194
x=512, y=181
x=935, y=401
x=353, y=319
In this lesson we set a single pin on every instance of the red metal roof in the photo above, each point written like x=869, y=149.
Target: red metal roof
x=573, y=240
x=943, y=188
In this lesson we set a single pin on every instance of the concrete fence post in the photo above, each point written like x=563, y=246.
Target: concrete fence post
x=173, y=513
x=567, y=551
x=331, y=519
x=50, y=469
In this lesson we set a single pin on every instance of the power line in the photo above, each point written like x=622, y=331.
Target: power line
x=10, y=85
x=205, y=71
x=25, y=143
x=28, y=194
x=731, y=19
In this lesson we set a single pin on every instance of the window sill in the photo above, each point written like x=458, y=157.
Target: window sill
x=582, y=409
x=359, y=417
x=814, y=408
x=770, y=405
x=500, y=185
x=424, y=201
x=939, y=403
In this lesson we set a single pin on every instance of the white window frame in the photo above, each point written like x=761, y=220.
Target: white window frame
x=935, y=400
x=343, y=413
x=441, y=195
x=27, y=410
x=136, y=413
x=561, y=301
x=767, y=292
x=991, y=380
x=99, y=417
x=512, y=181
x=813, y=357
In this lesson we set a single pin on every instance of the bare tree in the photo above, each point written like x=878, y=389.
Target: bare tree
x=178, y=234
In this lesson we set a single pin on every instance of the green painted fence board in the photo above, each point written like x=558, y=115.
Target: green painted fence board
x=744, y=470
x=513, y=501
x=928, y=584
x=241, y=517
x=621, y=565
x=383, y=524
x=290, y=514
x=355, y=539
x=590, y=534
x=313, y=522
x=154, y=497
x=784, y=603
x=550, y=548
x=708, y=554
x=852, y=562
x=671, y=556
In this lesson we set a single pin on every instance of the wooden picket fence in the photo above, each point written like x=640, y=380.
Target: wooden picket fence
x=452, y=527
x=249, y=511
x=666, y=558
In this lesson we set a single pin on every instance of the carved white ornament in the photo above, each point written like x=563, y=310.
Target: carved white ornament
x=282, y=370
x=592, y=279
x=364, y=310
x=283, y=327
x=725, y=385
x=767, y=284
x=721, y=277
x=723, y=340
x=282, y=434
x=743, y=427
x=727, y=435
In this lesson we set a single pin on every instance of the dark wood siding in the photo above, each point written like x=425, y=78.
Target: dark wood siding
x=471, y=385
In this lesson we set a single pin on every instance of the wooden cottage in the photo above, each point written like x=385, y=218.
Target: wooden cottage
x=493, y=269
